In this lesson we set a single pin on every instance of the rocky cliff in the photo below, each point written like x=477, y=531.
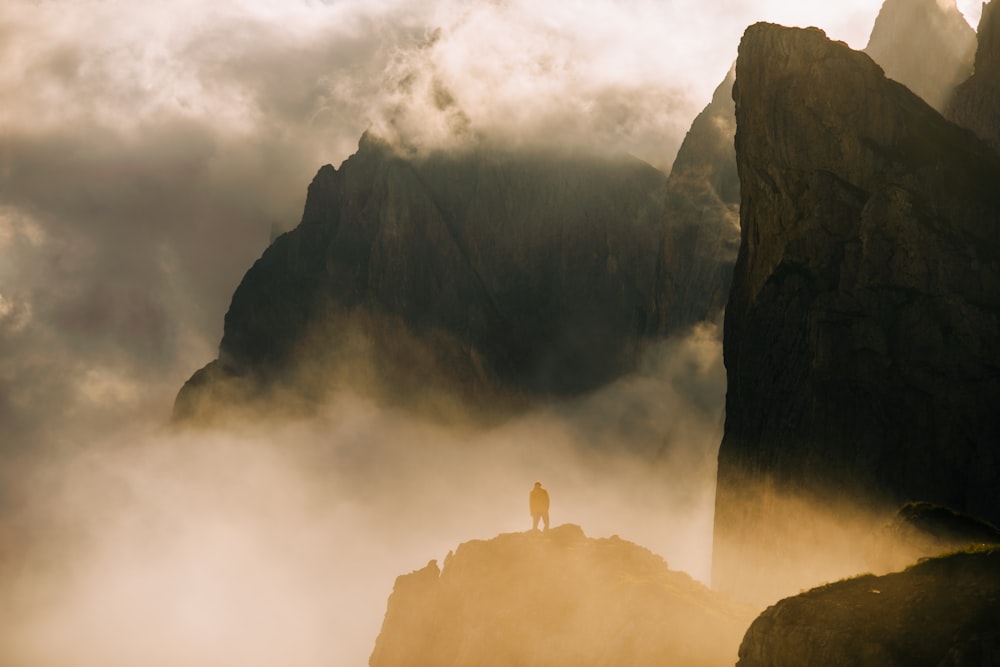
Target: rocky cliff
x=976, y=103
x=862, y=332
x=926, y=45
x=702, y=207
x=943, y=612
x=555, y=598
x=485, y=273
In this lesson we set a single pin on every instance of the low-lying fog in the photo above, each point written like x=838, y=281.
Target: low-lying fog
x=280, y=544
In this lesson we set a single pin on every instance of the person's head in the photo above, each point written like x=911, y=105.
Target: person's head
x=538, y=485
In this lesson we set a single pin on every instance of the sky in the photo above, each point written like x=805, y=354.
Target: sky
x=148, y=153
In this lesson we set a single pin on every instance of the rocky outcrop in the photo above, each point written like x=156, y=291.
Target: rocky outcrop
x=926, y=45
x=943, y=612
x=922, y=530
x=976, y=103
x=862, y=332
x=703, y=209
x=555, y=598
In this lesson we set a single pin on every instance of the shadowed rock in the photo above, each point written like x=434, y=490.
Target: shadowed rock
x=976, y=103
x=921, y=530
x=703, y=204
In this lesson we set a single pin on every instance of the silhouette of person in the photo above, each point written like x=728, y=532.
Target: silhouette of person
x=538, y=503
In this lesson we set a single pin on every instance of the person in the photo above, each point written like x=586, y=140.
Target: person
x=538, y=503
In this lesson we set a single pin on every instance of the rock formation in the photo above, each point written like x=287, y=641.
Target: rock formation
x=976, y=103
x=862, y=332
x=926, y=45
x=493, y=275
x=943, y=612
x=922, y=530
x=484, y=272
x=703, y=210
x=555, y=598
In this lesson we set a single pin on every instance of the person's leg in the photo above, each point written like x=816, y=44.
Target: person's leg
x=545, y=520
x=534, y=521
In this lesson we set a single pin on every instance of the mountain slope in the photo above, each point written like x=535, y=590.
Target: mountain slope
x=926, y=45
x=486, y=273
x=976, y=103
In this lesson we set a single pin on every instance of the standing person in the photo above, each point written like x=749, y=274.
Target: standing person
x=538, y=503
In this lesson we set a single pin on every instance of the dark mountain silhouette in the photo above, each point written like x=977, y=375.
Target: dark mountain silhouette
x=555, y=598
x=861, y=338
x=703, y=208
x=496, y=276
x=926, y=45
x=943, y=612
x=976, y=103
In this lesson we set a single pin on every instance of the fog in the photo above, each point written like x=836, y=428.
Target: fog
x=279, y=544
x=147, y=155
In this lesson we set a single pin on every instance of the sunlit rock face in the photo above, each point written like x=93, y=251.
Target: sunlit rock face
x=976, y=103
x=493, y=275
x=551, y=599
x=926, y=45
x=862, y=339
x=943, y=612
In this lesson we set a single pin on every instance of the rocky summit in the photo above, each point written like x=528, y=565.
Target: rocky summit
x=943, y=612
x=976, y=103
x=489, y=274
x=926, y=45
x=862, y=332
x=552, y=599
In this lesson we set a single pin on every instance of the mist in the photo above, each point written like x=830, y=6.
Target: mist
x=280, y=543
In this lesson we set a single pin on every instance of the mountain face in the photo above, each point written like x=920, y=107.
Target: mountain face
x=926, y=45
x=862, y=332
x=492, y=275
x=943, y=612
x=703, y=209
x=555, y=598
x=976, y=103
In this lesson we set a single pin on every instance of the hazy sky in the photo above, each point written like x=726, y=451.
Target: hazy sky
x=148, y=150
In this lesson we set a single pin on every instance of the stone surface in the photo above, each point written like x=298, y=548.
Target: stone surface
x=926, y=45
x=862, y=340
x=976, y=103
x=941, y=612
x=555, y=598
x=703, y=209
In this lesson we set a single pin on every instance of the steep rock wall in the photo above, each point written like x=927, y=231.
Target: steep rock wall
x=976, y=103
x=862, y=340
